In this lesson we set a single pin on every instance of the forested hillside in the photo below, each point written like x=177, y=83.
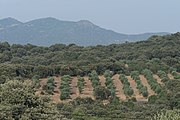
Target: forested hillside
x=29, y=60
x=138, y=80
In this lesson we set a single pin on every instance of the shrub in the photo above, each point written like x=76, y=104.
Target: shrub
x=80, y=84
x=2, y=79
x=94, y=79
x=65, y=87
x=152, y=99
x=163, y=75
x=101, y=93
x=50, y=85
x=108, y=73
x=168, y=115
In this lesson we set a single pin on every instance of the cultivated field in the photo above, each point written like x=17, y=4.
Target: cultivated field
x=87, y=90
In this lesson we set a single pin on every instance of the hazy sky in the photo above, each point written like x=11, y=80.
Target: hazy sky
x=124, y=16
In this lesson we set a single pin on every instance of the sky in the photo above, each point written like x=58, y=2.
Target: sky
x=123, y=16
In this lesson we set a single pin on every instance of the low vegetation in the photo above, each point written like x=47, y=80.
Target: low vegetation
x=168, y=115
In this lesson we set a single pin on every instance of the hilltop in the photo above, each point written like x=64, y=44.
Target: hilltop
x=48, y=31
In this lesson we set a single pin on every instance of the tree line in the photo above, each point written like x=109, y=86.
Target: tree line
x=157, y=53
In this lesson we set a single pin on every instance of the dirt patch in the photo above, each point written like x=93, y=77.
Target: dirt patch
x=145, y=83
x=57, y=92
x=102, y=80
x=126, y=65
x=171, y=77
x=158, y=79
x=42, y=83
x=88, y=89
x=119, y=87
x=136, y=94
x=74, y=89
x=105, y=102
x=56, y=95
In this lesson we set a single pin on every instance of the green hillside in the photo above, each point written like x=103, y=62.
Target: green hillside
x=28, y=60
x=30, y=78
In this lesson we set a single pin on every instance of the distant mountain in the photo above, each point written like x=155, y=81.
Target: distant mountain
x=48, y=31
x=8, y=22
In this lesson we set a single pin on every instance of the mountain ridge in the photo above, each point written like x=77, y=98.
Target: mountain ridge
x=48, y=31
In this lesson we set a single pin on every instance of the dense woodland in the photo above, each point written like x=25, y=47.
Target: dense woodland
x=157, y=53
x=20, y=63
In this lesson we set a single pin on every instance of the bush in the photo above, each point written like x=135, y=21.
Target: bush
x=108, y=73
x=110, y=85
x=79, y=114
x=176, y=75
x=102, y=93
x=50, y=85
x=163, y=75
x=64, y=94
x=80, y=84
x=168, y=115
x=94, y=79
x=152, y=99
x=2, y=79
x=145, y=93
x=36, y=82
x=65, y=87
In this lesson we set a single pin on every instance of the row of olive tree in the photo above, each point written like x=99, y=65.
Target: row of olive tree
x=140, y=86
x=126, y=85
x=65, y=87
x=152, y=82
x=80, y=84
x=50, y=85
x=164, y=77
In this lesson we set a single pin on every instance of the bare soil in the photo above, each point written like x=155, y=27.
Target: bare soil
x=119, y=87
x=136, y=94
x=171, y=77
x=145, y=83
x=57, y=92
x=102, y=80
x=88, y=89
x=42, y=83
x=158, y=79
x=74, y=89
